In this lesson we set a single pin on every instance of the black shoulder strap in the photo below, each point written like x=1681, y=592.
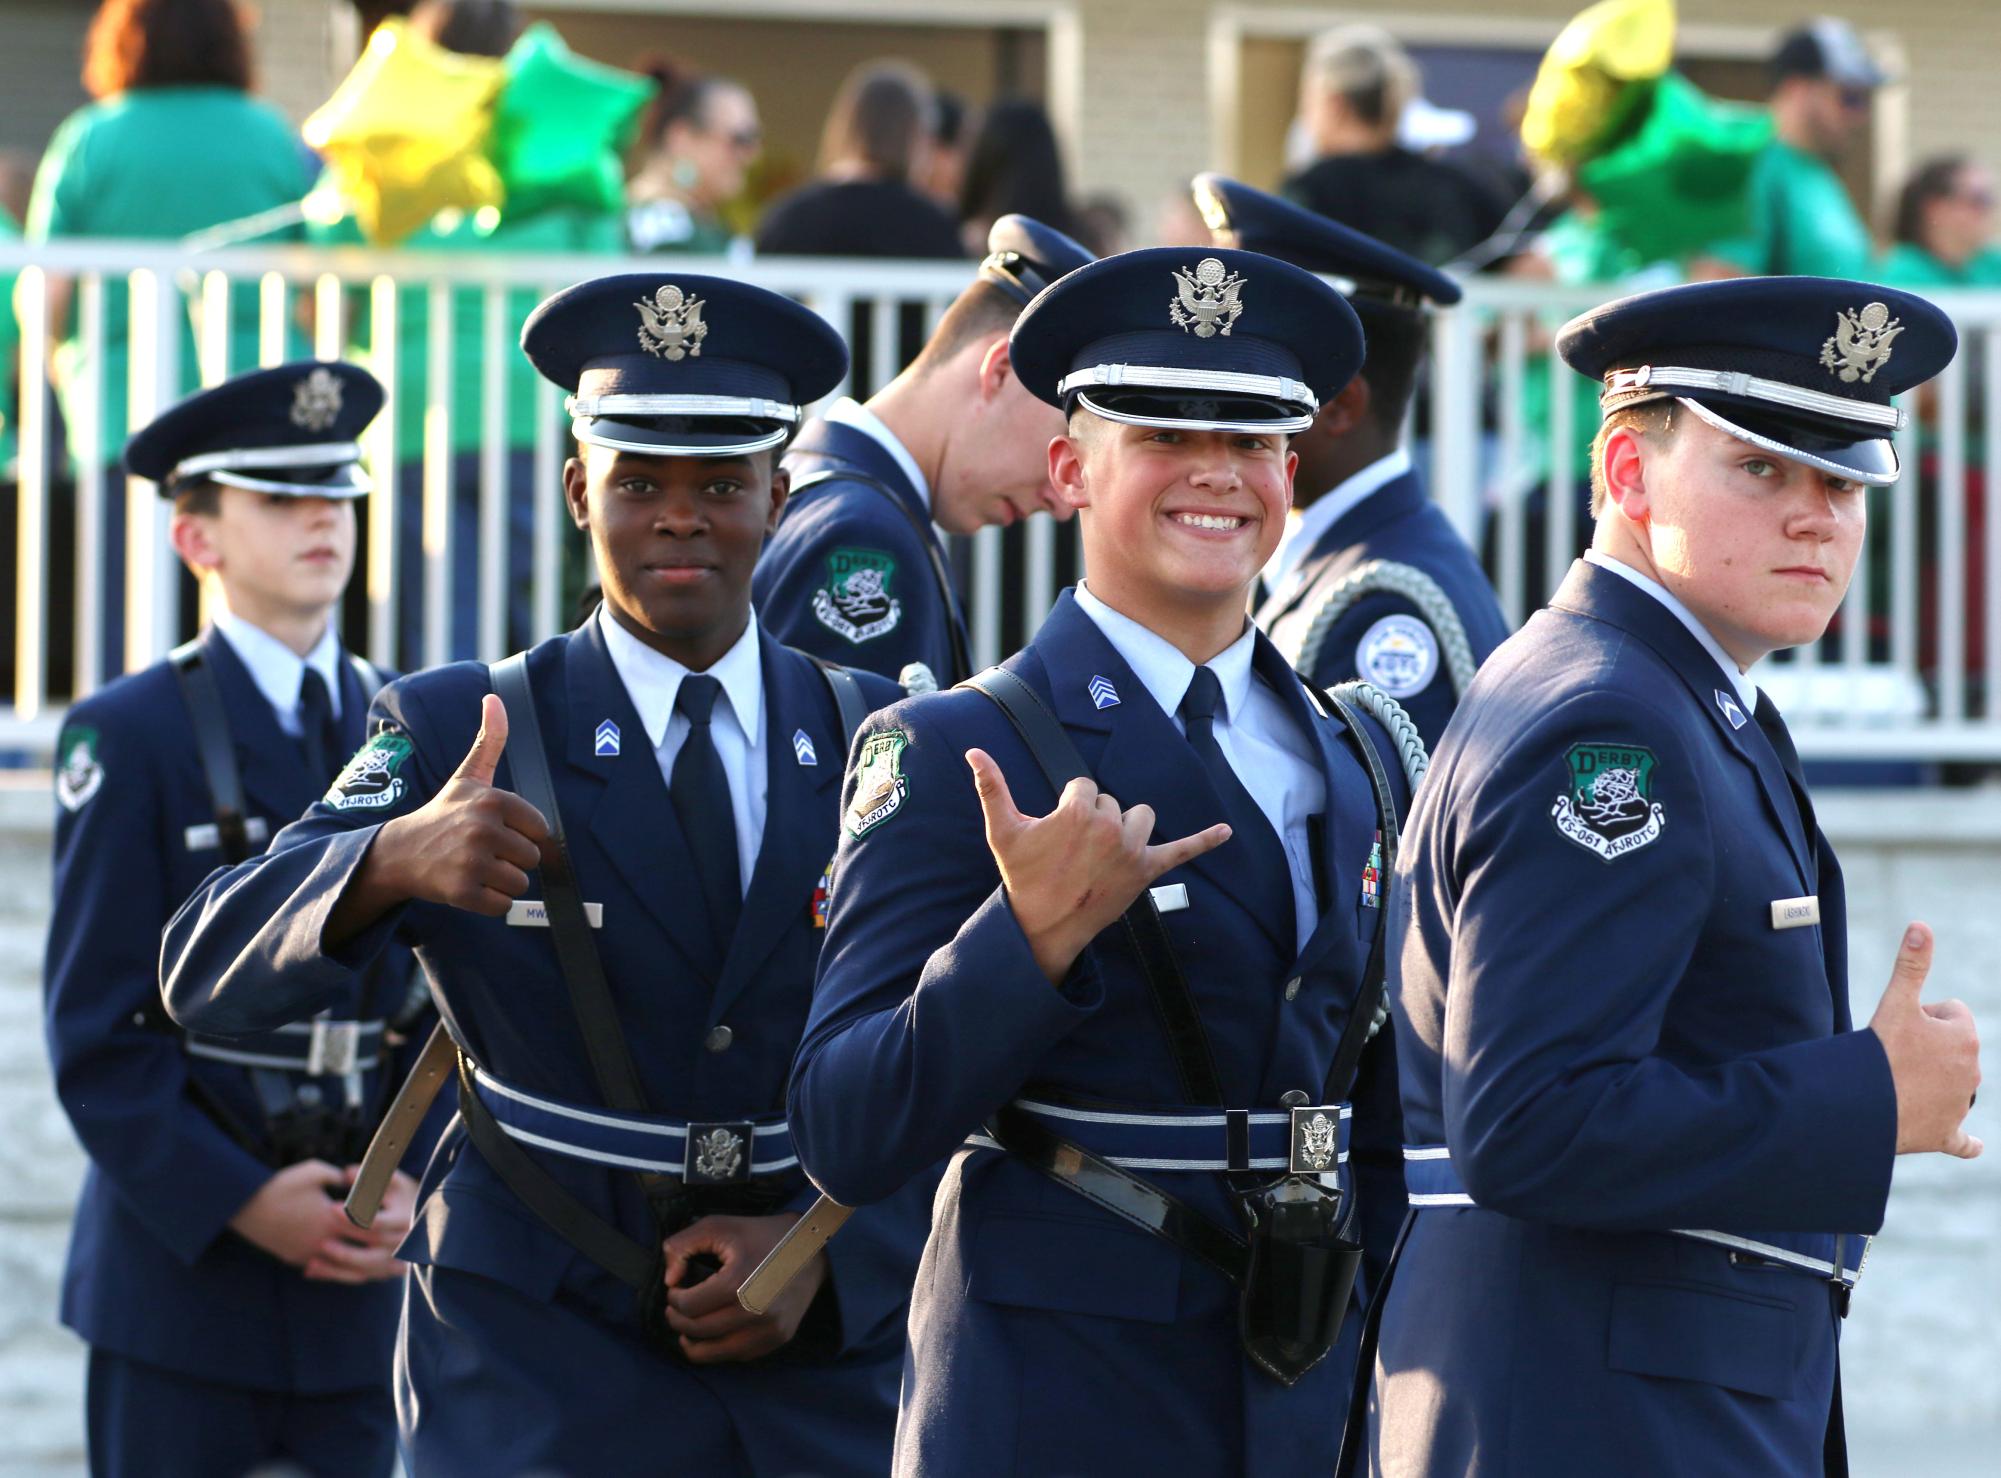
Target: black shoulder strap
x=368, y=674
x=214, y=746
x=1355, y=1031
x=1194, y=1061
x=948, y=594
x=848, y=700
x=569, y=930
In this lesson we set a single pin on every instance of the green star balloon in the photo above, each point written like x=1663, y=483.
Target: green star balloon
x=562, y=126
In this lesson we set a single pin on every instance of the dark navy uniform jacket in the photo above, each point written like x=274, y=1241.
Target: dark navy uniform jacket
x=1396, y=522
x=246, y=951
x=1047, y=1335
x=154, y=1273
x=1607, y=1039
x=848, y=576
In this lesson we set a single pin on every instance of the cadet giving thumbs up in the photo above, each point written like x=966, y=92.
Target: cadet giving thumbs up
x=470, y=846
x=1934, y=1055
x=1070, y=874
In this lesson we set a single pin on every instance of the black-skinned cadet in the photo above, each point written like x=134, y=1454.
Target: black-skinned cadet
x=235, y=1318
x=1648, y=1143
x=1374, y=582
x=1107, y=932
x=611, y=853
x=857, y=572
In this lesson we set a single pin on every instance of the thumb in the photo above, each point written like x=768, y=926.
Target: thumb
x=1907, y=975
x=996, y=801
x=484, y=756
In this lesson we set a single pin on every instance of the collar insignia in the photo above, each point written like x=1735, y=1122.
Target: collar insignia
x=1206, y=301
x=671, y=326
x=1860, y=344
x=802, y=747
x=1103, y=693
x=1732, y=710
x=316, y=400
x=605, y=743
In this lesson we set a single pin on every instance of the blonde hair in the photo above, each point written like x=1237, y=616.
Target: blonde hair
x=1651, y=420
x=1367, y=68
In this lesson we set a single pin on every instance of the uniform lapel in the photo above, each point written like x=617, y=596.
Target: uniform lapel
x=1143, y=756
x=1601, y=595
x=798, y=815
x=627, y=813
x=269, y=762
x=1334, y=762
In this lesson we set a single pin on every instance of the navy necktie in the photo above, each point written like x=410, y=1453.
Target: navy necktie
x=701, y=794
x=318, y=736
x=1253, y=842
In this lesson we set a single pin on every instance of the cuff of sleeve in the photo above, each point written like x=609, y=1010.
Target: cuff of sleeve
x=205, y=1210
x=332, y=878
x=1864, y=1173
x=993, y=936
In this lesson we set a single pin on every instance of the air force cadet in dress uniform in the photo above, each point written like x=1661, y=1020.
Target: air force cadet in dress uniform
x=1374, y=582
x=612, y=856
x=1647, y=1146
x=1115, y=1094
x=235, y=1318
x=856, y=572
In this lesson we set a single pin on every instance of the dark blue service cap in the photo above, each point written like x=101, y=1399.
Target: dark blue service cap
x=294, y=429
x=1024, y=256
x=1254, y=221
x=1805, y=367
x=682, y=365
x=1200, y=340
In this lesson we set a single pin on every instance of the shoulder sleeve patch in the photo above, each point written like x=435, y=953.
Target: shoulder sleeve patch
x=880, y=784
x=1399, y=654
x=79, y=772
x=856, y=600
x=369, y=782
x=1607, y=803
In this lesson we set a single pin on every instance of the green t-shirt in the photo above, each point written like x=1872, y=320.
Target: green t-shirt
x=1906, y=265
x=160, y=163
x=557, y=230
x=10, y=345
x=1803, y=223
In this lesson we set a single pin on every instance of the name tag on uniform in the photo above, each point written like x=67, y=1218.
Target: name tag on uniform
x=205, y=838
x=1795, y=913
x=533, y=913
x=1169, y=896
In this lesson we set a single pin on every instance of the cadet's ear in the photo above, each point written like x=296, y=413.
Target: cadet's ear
x=1066, y=470
x=1345, y=411
x=193, y=538
x=781, y=489
x=996, y=368
x=1625, y=473
x=576, y=484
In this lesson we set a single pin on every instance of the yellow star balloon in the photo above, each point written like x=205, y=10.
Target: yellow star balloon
x=404, y=135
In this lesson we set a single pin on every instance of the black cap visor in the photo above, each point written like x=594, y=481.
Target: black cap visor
x=1839, y=449
x=1186, y=411
x=683, y=436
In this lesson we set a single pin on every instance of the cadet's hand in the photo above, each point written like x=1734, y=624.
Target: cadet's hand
x=470, y=845
x=1070, y=874
x=1934, y=1055
x=294, y=1212
x=714, y=1328
x=353, y=1255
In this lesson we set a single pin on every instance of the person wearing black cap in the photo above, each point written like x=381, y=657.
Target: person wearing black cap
x=1803, y=220
x=856, y=572
x=1374, y=582
x=235, y=1319
x=611, y=854
x=1142, y=1252
x=1647, y=1145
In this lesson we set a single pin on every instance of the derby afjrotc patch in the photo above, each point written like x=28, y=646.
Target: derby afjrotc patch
x=1609, y=808
x=880, y=785
x=856, y=602
x=369, y=783
x=79, y=774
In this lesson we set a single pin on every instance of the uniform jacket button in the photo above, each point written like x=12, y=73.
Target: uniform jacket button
x=719, y=1039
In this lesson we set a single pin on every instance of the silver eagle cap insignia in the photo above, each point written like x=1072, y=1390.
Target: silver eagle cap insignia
x=316, y=400
x=1860, y=344
x=1207, y=301
x=671, y=324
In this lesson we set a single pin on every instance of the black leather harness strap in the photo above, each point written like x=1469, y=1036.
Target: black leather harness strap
x=948, y=594
x=1355, y=1033
x=215, y=749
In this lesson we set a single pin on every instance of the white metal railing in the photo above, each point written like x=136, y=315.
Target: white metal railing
x=1911, y=670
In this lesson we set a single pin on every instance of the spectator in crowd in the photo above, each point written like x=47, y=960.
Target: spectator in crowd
x=1803, y=221
x=1104, y=224
x=700, y=136
x=173, y=142
x=473, y=28
x=1945, y=227
x=1015, y=168
x=951, y=137
x=1356, y=85
x=371, y=13
x=865, y=202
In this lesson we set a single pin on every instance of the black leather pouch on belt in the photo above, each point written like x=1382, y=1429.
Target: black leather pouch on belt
x=1302, y=1268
